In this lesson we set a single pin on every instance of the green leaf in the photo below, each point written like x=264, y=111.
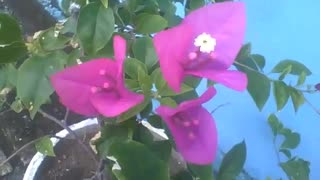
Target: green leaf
x=33, y=85
x=183, y=175
x=8, y=76
x=134, y=111
x=109, y=134
x=195, y=4
x=95, y=27
x=133, y=66
x=202, y=172
x=155, y=121
x=150, y=166
x=149, y=23
x=170, y=14
x=17, y=106
x=186, y=96
x=275, y=124
x=168, y=102
x=297, y=67
x=105, y=3
x=296, y=169
x=302, y=78
x=143, y=50
x=192, y=81
x=291, y=140
x=244, y=52
x=286, y=152
x=45, y=146
x=297, y=98
x=167, y=91
x=258, y=87
x=12, y=46
x=162, y=149
x=281, y=94
x=145, y=82
x=285, y=72
x=259, y=60
x=51, y=39
x=233, y=162
x=158, y=79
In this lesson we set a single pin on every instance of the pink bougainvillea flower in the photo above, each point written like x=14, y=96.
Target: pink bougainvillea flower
x=193, y=129
x=205, y=45
x=97, y=86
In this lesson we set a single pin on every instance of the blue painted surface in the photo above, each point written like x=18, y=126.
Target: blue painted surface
x=278, y=30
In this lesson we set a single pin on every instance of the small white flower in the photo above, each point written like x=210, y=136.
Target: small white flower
x=205, y=42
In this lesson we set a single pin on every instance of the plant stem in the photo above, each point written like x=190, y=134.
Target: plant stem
x=71, y=132
x=19, y=150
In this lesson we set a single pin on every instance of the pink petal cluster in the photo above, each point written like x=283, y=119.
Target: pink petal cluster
x=192, y=128
x=97, y=86
x=179, y=52
x=205, y=45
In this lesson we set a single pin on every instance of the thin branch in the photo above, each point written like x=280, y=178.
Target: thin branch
x=19, y=150
x=71, y=132
x=218, y=107
x=312, y=106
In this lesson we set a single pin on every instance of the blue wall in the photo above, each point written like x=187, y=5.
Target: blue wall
x=278, y=30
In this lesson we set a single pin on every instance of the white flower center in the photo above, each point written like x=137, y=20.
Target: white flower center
x=205, y=42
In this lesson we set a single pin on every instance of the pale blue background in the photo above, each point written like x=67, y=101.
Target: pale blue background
x=278, y=30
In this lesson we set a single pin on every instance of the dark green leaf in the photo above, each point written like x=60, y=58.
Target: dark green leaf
x=286, y=152
x=202, y=172
x=155, y=121
x=275, y=124
x=297, y=98
x=258, y=87
x=281, y=94
x=162, y=149
x=244, y=52
x=150, y=166
x=95, y=27
x=291, y=140
x=183, y=175
x=12, y=46
x=297, y=169
x=149, y=23
x=233, y=162
x=297, y=67
x=259, y=60
x=45, y=146
x=33, y=85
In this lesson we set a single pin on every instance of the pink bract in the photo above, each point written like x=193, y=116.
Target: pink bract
x=179, y=56
x=97, y=86
x=193, y=129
